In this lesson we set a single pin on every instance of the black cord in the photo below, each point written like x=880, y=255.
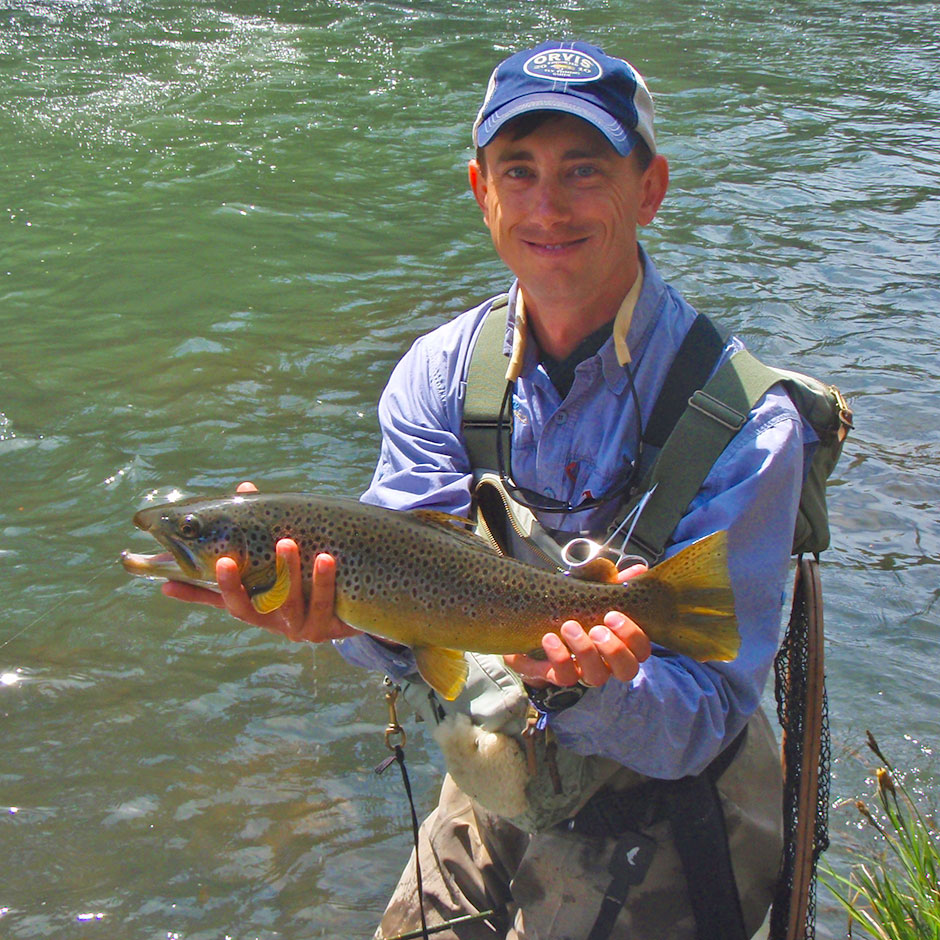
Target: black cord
x=399, y=756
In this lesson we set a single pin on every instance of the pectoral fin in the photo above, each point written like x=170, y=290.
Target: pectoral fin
x=444, y=670
x=273, y=597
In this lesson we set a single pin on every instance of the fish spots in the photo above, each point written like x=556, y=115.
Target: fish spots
x=418, y=580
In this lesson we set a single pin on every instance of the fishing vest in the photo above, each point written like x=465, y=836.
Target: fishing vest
x=695, y=416
x=490, y=735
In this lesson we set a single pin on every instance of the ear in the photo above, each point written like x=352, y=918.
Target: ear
x=654, y=184
x=478, y=183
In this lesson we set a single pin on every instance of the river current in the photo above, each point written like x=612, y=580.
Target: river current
x=221, y=223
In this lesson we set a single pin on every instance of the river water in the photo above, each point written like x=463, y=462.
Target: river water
x=221, y=222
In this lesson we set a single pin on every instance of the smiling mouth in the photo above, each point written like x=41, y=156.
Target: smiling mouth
x=555, y=246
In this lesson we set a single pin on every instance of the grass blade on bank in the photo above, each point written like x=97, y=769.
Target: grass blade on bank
x=893, y=894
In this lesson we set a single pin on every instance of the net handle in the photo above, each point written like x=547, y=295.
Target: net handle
x=807, y=581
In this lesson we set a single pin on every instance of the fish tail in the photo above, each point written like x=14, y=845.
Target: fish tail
x=703, y=625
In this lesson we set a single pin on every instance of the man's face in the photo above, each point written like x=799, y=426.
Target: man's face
x=562, y=207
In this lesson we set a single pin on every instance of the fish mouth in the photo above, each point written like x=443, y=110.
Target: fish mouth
x=161, y=565
x=176, y=564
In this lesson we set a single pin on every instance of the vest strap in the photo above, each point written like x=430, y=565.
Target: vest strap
x=715, y=414
x=486, y=384
x=690, y=369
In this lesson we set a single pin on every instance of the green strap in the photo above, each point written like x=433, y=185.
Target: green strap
x=713, y=416
x=486, y=385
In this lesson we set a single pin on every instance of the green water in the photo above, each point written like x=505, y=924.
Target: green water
x=220, y=225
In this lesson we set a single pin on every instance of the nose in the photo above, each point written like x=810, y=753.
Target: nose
x=551, y=203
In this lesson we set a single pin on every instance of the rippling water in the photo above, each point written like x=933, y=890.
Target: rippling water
x=220, y=225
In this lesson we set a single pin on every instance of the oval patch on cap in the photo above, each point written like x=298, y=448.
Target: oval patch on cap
x=563, y=65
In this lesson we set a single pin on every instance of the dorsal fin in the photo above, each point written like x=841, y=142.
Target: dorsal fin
x=458, y=527
x=446, y=519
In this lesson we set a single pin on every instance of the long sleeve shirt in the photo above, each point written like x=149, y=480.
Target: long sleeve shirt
x=676, y=715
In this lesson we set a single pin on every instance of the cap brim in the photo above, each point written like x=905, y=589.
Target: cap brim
x=621, y=138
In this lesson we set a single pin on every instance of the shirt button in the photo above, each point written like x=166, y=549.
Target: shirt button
x=561, y=417
x=549, y=492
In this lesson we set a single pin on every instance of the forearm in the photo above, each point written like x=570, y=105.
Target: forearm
x=671, y=721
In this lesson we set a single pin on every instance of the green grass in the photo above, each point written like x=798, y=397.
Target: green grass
x=893, y=893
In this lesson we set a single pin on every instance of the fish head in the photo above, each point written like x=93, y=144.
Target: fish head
x=195, y=534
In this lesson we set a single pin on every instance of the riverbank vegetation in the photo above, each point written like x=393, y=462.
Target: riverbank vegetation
x=893, y=891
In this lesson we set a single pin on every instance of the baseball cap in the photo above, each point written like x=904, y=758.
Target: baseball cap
x=576, y=78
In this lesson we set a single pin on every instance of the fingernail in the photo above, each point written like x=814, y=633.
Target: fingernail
x=599, y=634
x=553, y=641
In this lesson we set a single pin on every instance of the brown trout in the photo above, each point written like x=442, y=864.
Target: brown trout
x=420, y=578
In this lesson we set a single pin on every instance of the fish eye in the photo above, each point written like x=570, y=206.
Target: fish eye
x=190, y=527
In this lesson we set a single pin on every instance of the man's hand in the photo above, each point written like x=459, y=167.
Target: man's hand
x=296, y=619
x=613, y=649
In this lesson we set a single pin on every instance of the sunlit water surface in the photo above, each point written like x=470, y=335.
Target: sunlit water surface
x=220, y=225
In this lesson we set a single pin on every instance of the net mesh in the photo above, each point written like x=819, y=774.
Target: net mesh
x=791, y=689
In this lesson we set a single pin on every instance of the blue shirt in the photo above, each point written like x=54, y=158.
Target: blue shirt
x=677, y=714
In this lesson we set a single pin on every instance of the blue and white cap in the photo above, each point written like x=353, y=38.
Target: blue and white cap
x=576, y=78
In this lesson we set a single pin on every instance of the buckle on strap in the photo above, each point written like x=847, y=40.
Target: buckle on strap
x=717, y=410
x=845, y=414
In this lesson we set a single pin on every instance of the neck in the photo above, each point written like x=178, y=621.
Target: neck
x=560, y=339
x=561, y=324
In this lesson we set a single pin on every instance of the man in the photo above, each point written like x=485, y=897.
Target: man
x=565, y=173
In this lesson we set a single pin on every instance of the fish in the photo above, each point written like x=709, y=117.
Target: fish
x=421, y=578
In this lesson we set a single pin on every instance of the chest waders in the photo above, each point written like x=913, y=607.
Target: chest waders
x=698, y=412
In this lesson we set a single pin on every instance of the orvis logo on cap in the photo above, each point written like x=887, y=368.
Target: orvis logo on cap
x=563, y=65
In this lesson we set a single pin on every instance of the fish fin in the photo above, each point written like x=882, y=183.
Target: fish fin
x=273, y=597
x=447, y=519
x=704, y=625
x=597, y=569
x=458, y=527
x=443, y=669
